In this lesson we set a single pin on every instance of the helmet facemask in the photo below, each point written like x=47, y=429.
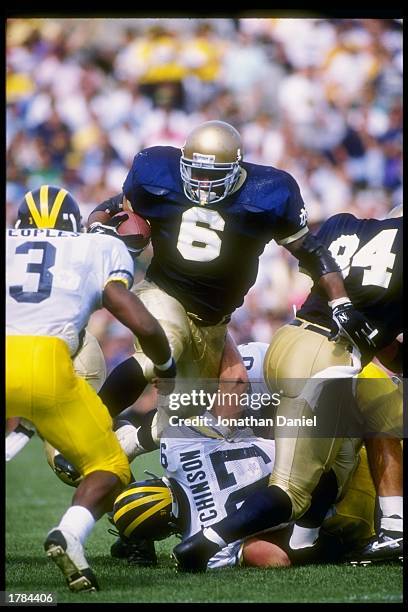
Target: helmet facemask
x=210, y=162
x=205, y=181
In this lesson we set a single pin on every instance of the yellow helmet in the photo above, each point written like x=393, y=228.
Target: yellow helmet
x=49, y=207
x=209, y=163
x=144, y=510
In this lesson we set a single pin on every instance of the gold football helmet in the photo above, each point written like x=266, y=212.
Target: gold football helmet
x=209, y=163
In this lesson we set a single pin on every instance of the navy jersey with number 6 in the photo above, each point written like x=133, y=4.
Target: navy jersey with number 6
x=369, y=253
x=207, y=256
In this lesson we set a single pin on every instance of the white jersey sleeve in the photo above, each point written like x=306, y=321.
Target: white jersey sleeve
x=55, y=280
x=212, y=477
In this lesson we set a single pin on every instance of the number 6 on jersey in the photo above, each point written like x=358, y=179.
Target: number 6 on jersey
x=198, y=239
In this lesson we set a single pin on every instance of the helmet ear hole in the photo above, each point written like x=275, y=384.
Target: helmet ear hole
x=143, y=510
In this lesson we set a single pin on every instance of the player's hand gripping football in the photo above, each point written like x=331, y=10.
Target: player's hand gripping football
x=354, y=326
x=135, y=242
x=110, y=227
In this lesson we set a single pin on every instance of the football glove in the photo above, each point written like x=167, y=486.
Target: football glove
x=135, y=244
x=354, y=326
x=110, y=227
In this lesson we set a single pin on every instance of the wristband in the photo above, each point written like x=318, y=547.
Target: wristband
x=339, y=302
x=164, y=366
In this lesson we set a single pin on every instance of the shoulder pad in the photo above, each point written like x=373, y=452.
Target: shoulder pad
x=261, y=183
x=157, y=169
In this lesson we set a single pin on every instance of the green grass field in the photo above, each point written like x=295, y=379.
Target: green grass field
x=36, y=499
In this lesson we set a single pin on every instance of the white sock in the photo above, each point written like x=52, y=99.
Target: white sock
x=78, y=521
x=302, y=537
x=391, y=505
x=212, y=535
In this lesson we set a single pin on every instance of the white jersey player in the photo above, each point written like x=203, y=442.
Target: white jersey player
x=55, y=280
x=37, y=274
x=212, y=476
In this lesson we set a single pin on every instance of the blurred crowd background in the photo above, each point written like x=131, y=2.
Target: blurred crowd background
x=319, y=98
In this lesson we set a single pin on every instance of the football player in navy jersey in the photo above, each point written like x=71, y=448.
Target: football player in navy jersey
x=369, y=253
x=211, y=215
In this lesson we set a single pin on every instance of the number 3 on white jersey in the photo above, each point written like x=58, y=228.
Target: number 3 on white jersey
x=198, y=239
x=375, y=256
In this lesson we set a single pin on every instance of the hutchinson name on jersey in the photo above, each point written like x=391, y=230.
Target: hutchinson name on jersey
x=212, y=476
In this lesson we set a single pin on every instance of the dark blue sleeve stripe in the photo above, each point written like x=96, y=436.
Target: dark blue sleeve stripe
x=122, y=272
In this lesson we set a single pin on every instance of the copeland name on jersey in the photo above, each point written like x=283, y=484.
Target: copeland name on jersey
x=207, y=256
x=54, y=281
x=213, y=476
x=369, y=253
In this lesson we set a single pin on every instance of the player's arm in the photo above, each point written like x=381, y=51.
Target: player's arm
x=102, y=219
x=320, y=264
x=291, y=231
x=132, y=313
x=317, y=260
x=107, y=209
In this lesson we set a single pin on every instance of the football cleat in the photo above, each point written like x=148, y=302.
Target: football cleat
x=142, y=553
x=193, y=554
x=119, y=548
x=68, y=554
x=139, y=552
x=306, y=555
x=386, y=547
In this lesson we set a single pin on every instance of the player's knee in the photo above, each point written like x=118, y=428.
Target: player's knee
x=260, y=553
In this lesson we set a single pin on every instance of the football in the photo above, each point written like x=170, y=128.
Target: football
x=133, y=225
x=134, y=230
